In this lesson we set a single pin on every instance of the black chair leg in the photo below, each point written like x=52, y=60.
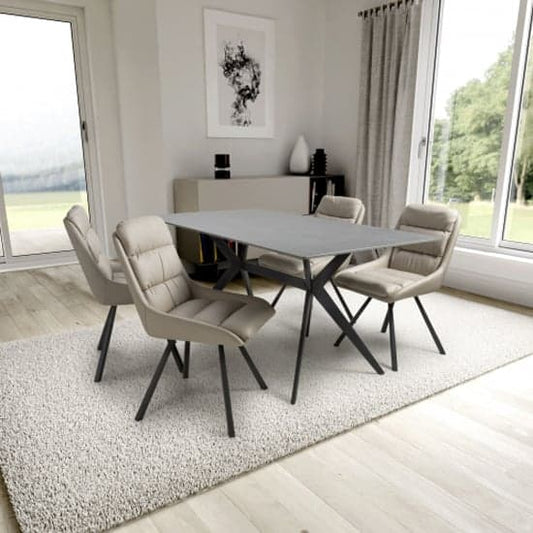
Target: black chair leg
x=354, y=320
x=104, y=329
x=176, y=355
x=253, y=368
x=225, y=389
x=430, y=326
x=392, y=336
x=186, y=361
x=278, y=296
x=153, y=384
x=385, y=323
x=307, y=329
x=106, y=334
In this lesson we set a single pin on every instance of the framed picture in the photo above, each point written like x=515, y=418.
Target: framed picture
x=239, y=69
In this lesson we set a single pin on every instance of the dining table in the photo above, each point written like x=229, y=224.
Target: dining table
x=299, y=236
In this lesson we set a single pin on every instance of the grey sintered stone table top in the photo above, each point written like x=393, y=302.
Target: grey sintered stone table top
x=293, y=234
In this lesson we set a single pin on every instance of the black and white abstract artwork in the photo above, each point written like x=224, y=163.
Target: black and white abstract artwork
x=239, y=75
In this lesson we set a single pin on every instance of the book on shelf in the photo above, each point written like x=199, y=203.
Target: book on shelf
x=207, y=249
x=313, y=195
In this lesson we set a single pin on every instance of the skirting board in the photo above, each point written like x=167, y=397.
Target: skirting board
x=497, y=276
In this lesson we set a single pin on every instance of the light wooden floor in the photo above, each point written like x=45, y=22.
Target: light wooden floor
x=459, y=461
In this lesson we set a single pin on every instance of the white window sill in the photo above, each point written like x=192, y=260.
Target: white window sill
x=501, y=275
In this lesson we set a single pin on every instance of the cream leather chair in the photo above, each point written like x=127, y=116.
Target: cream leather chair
x=340, y=208
x=171, y=306
x=104, y=275
x=409, y=271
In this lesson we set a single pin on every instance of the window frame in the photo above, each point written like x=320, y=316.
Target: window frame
x=424, y=119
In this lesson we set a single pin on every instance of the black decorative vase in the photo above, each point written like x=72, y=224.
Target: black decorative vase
x=320, y=162
x=222, y=167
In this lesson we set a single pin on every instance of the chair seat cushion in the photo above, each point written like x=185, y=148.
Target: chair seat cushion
x=380, y=283
x=243, y=318
x=292, y=265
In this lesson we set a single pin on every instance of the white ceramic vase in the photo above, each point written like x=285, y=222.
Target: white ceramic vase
x=300, y=162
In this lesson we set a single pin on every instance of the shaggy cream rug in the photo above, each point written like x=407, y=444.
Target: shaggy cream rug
x=74, y=459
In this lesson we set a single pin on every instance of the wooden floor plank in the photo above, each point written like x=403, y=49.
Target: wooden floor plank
x=453, y=478
x=360, y=495
x=295, y=508
x=493, y=473
x=220, y=514
x=178, y=518
x=415, y=486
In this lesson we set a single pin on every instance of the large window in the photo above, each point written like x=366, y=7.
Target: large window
x=42, y=163
x=481, y=129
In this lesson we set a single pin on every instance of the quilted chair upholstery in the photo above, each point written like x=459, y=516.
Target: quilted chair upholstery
x=407, y=271
x=104, y=276
x=171, y=306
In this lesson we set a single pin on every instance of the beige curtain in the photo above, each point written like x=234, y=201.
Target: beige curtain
x=388, y=76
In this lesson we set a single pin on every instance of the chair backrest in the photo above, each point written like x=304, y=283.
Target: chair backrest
x=432, y=220
x=341, y=208
x=155, y=273
x=94, y=263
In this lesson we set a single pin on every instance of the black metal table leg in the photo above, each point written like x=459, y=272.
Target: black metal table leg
x=225, y=389
x=301, y=343
x=242, y=252
x=342, y=300
x=234, y=264
x=226, y=278
x=354, y=319
x=246, y=278
x=153, y=384
x=313, y=288
x=333, y=311
x=108, y=330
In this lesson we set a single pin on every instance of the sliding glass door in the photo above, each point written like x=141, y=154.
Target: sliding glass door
x=42, y=164
x=480, y=159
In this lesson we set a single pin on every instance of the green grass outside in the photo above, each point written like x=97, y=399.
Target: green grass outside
x=477, y=221
x=47, y=209
x=41, y=210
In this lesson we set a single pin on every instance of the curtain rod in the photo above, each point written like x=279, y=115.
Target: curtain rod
x=376, y=10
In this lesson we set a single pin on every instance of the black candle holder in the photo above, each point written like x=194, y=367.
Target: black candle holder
x=222, y=167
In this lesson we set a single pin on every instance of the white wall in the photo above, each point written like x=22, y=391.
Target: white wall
x=160, y=56
x=139, y=82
